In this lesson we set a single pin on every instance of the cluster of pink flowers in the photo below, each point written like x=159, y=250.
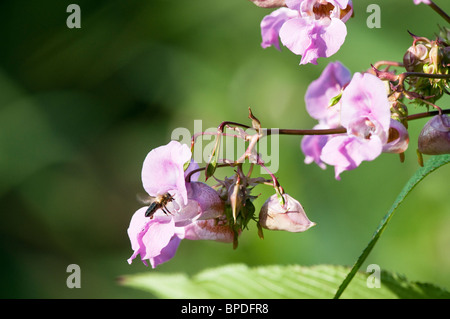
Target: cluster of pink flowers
x=365, y=112
x=196, y=211
x=363, y=109
x=193, y=211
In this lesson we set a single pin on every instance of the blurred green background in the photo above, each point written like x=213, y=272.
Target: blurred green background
x=81, y=108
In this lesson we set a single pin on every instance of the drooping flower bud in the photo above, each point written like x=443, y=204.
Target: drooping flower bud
x=434, y=138
x=291, y=217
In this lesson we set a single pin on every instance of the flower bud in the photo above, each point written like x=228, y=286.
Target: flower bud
x=291, y=217
x=415, y=55
x=436, y=55
x=435, y=136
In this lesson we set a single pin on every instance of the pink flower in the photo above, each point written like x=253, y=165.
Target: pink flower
x=317, y=99
x=157, y=238
x=365, y=113
x=291, y=217
x=310, y=28
x=363, y=109
x=422, y=1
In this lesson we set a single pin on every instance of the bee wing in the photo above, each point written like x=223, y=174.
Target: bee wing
x=145, y=199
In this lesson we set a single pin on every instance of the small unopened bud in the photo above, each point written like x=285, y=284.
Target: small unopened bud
x=435, y=136
x=290, y=217
x=436, y=55
x=236, y=198
x=415, y=55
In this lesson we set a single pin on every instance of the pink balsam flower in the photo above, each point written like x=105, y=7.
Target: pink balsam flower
x=157, y=238
x=365, y=113
x=310, y=28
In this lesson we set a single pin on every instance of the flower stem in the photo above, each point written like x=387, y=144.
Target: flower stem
x=404, y=75
x=339, y=130
x=388, y=63
x=426, y=114
x=439, y=11
x=276, y=185
x=188, y=176
x=223, y=124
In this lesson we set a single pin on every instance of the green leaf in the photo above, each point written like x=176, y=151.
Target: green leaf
x=212, y=164
x=335, y=100
x=430, y=166
x=238, y=281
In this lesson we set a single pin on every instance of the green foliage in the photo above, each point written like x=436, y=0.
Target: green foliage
x=239, y=281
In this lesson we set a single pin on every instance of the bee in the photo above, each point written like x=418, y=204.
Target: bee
x=158, y=202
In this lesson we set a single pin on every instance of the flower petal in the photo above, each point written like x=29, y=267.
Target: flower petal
x=210, y=204
x=313, y=39
x=167, y=253
x=162, y=170
x=137, y=225
x=400, y=138
x=323, y=89
x=312, y=146
x=153, y=239
x=294, y=4
x=365, y=97
x=271, y=24
x=347, y=152
x=294, y=35
x=209, y=230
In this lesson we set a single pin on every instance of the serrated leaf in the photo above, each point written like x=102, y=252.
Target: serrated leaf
x=238, y=281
